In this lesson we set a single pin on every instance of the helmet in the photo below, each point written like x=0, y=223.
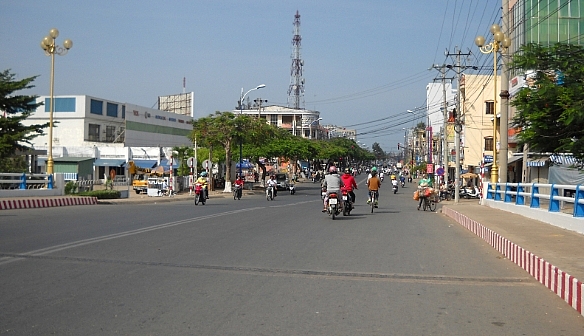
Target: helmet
x=332, y=169
x=347, y=170
x=374, y=169
x=204, y=174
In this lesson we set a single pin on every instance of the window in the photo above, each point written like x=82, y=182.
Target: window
x=110, y=133
x=123, y=111
x=96, y=107
x=274, y=119
x=112, y=110
x=489, y=144
x=489, y=107
x=61, y=105
x=93, y=132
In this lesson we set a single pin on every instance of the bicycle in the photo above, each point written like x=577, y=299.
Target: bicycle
x=373, y=194
x=429, y=202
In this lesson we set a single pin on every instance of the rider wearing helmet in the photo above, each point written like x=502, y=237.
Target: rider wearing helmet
x=203, y=181
x=350, y=184
x=373, y=184
x=333, y=183
x=272, y=183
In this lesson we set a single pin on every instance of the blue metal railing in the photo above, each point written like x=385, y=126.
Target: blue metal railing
x=518, y=193
x=23, y=181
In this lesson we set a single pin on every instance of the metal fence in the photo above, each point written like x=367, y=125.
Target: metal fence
x=557, y=197
x=23, y=181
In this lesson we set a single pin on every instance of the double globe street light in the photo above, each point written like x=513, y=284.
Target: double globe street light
x=49, y=45
x=500, y=41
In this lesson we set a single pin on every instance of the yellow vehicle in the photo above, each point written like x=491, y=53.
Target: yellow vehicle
x=140, y=176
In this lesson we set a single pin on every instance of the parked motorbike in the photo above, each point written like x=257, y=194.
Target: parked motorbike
x=333, y=208
x=200, y=196
x=469, y=193
x=292, y=189
x=347, y=203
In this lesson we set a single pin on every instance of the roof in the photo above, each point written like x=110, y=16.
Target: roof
x=145, y=163
x=71, y=159
x=109, y=162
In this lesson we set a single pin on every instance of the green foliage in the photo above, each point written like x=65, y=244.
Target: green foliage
x=14, y=164
x=102, y=194
x=70, y=188
x=378, y=151
x=14, y=136
x=550, y=115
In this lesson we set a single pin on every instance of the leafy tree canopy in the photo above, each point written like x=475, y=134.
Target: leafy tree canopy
x=14, y=136
x=550, y=112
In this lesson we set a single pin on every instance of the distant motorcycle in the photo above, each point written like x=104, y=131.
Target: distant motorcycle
x=394, y=188
x=292, y=189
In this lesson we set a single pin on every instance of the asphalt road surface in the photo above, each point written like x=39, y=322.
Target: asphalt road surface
x=257, y=267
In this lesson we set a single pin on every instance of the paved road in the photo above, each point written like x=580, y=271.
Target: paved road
x=253, y=267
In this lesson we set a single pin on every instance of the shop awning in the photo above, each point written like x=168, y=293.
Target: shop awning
x=567, y=160
x=109, y=162
x=514, y=159
x=145, y=163
x=540, y=162
x=244, y=165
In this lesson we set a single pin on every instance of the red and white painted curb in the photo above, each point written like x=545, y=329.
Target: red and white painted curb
x=26, y=203
x=564, y=285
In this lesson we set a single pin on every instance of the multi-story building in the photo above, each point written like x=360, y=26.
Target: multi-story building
x=110, y=132
x=436, y=95
x=301, y=122
x=335, y=131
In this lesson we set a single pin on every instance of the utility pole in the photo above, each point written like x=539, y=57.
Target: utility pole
x=443, y=69
x=259, y=102
x=504, y=124
x=457, y=124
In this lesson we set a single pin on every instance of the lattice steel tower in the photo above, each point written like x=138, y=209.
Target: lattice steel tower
x=296, y=89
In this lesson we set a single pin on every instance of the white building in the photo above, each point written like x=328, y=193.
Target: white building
x=301, y=122
x=109, y=131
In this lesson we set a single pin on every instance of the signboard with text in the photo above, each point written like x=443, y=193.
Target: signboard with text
x=429, y=168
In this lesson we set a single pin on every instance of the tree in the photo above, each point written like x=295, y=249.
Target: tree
x=378, y=151
x=14, y=136
x=550, y=112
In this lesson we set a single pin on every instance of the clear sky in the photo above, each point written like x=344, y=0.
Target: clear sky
x=364, y=60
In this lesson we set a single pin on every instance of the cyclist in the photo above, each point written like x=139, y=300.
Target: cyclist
x=350, y=184
x=424, y=183
x=332, y=183
x=373, y=184
x=272, y=183
x=203, y=181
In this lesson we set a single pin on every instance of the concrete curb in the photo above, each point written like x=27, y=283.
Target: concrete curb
x=45, y=202
x=570, y=289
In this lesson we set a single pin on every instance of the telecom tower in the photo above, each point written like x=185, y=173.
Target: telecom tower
x=296, y=89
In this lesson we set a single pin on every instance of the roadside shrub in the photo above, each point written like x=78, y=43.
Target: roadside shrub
x=70, y=188
x=102, y=194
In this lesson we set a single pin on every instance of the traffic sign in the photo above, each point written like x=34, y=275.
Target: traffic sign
x=430, y=168
x=440, y=171
x=191, y=162
x=207, y=164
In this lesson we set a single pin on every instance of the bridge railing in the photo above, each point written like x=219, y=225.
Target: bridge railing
x=537, y=195
x=24, y=181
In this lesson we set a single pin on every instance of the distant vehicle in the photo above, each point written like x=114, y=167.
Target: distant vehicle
x=282, y=181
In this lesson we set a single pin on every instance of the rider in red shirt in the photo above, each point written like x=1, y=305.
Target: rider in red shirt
x=350, y=184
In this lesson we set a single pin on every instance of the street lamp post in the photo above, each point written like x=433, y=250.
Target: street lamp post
x=310, y=128
x=499, y=41
x=51, y=48
x=242, y=97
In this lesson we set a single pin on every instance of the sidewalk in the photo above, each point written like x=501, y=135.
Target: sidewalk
x=552, y=255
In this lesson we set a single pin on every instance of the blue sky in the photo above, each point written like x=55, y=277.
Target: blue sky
x=363, y=60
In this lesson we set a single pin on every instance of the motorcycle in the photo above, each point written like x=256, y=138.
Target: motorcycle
x=199, y=194
x=237, y=192
x=292, y=189
x=347, y=203
x=470, y=193
x=394, y=188
x=403, y=183
x=333, y=208
x=270, y=193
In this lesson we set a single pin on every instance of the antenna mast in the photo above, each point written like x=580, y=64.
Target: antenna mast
x=296, y=89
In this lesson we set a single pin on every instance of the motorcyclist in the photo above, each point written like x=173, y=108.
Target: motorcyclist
x=394, y=183
x=333, y=183
x=350, y=184
x=239, y=183
x=202, y=180
x=373, y=184
x=272, y=183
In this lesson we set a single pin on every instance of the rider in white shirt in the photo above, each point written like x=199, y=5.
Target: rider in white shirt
x=272, y=183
